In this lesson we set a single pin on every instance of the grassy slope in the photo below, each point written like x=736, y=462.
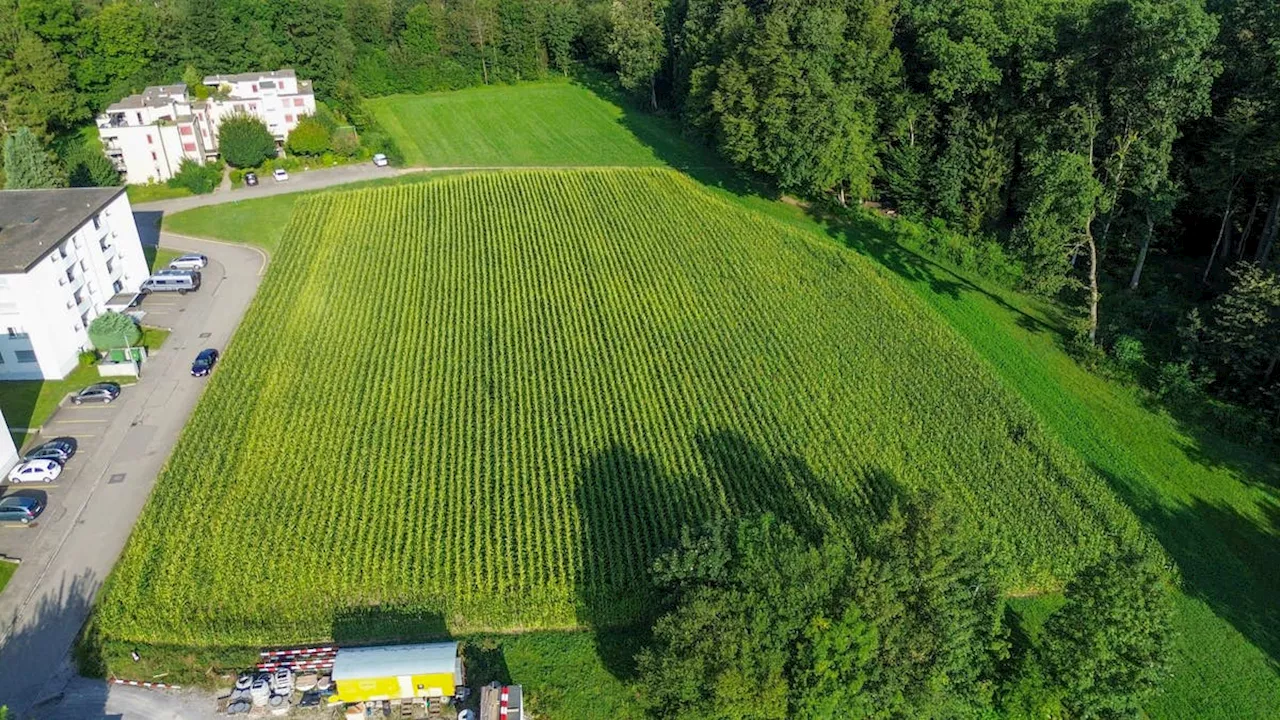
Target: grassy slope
x=535, y=124
x=7, y=569
x=1210, y=502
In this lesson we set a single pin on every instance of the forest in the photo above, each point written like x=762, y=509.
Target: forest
x=1117, y=155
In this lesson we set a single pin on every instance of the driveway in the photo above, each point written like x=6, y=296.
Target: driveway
x=298, y=182
x=94, y=504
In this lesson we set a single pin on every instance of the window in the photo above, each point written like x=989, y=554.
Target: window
x=238, y=107
x=255, y=87
x=149, y=141
x=153, y=156
x=184, y=130
x=71, y=276
x=84, y=266
x=25, y=356
x=189, y=147
x=297, y=102
x=97, y=223
x=117, y=286
x=1, y=359
x=13, y=333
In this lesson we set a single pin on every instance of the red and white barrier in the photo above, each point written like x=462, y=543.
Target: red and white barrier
x=502, y=702
x=140, y=683
x=300, y=651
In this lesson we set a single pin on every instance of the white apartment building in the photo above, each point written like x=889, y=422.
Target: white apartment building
x=148, y=135
x=8, y=451
x=63, y=254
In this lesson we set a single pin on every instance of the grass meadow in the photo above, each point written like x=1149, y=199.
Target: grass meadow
x=1212, y=504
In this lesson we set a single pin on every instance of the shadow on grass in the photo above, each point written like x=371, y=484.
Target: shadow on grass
x=1226, y=559
x=632, y=511
x=382, y=624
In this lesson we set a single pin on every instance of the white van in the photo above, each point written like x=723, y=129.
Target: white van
x=180, y=283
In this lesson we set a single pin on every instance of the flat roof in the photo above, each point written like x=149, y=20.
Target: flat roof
x=249, y=76
x=393, y=660
x=34, y=222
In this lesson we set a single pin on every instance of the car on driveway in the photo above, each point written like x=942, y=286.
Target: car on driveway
x=280, y=175
x=380, y=160
x=19, y=509
x=193, y=261
x=35, y=471
x=59, y=449
x=98, y=392
x=251, y=179
x=204, y=362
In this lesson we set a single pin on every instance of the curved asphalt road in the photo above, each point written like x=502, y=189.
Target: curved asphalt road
x=72, y=552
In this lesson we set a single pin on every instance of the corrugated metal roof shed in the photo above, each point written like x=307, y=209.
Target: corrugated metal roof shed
x=394, y=660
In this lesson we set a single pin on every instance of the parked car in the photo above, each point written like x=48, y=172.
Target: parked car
x=59, y=449
x=173, y=271
x=98, y=392
x=194, y=261
x=35, y=471
x=181, y=282
x=380, y=160
x=251, y=179
x=19, y=509
x=204, y=362
x=280, y=175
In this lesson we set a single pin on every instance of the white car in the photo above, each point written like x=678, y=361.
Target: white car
x=189, y=262
x=280, y=175
x=380, y=160
x=35, y=471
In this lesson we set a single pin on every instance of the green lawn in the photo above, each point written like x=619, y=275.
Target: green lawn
x=158, y=257
x=554, y=123
x=153, y=192
x=7, y=569
x=28, y=403
x=261, y=221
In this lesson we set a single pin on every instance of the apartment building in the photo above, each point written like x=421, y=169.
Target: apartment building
x=63, y=254
x=8, y=451
x=148, y=135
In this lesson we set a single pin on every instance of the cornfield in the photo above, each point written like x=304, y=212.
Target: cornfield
x=489, y=401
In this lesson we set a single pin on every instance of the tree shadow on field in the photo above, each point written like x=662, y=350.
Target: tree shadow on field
x=1226, y=559
x=632, y=511
x=379, y=624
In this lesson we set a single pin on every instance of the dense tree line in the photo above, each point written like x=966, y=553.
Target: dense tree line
x=764, y=623
x=1085, y=137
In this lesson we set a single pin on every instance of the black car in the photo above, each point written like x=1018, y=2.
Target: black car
x=204, y=362
x=59, y=449
x=99, y=392
x=250, y=179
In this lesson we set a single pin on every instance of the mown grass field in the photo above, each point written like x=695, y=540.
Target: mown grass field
x=501, y=395
x=528, y=125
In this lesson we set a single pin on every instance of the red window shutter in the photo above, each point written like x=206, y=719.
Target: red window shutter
x=185, y=129
x=297, y=102
x=189, y=147
x=148, y=138
x=153, y=156
x=288, y=118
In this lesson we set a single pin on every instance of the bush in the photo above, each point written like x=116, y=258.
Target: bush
x=309, y=138
x=113, y=330
x=1129, y=352
x=88, y=167
x=244, y=141
x=237, y=176
x=1178, y=381
x=346, y=142
x=377, y=141
x=197, y=178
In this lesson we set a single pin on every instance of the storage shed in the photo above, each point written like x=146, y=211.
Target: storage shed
x=397, y=672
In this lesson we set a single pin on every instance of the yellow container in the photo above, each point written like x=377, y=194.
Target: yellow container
x=397, y=672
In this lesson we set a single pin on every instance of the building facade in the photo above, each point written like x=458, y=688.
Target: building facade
x=63, y=255
x=8, y=451
x=148, y=135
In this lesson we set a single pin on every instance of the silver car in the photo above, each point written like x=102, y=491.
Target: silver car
x=194, y=261
x=19, y=509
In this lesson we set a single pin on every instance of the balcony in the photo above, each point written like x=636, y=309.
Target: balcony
x=108, y=250
x=112, y=120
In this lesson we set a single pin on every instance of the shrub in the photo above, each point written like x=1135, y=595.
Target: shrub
x=244, y=141
x=112, y=330
x=1178, y=381
x=88, y=167
x=197, y=178
x=1129, y=352
x=346, y=142
x=309, y=138
x=237, y=176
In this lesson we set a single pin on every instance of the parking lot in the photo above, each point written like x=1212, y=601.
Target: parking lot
x=91, y=507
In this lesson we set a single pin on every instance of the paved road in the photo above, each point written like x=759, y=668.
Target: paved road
x=298, y=182
x=94, y=506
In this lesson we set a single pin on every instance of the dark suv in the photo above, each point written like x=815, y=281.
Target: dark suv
x=60, y=449
x=204, y=362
